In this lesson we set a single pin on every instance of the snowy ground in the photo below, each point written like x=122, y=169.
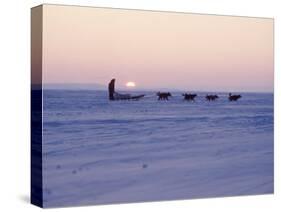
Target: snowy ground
x=96, y=151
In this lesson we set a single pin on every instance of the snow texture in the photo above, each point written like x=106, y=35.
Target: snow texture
x=97, y=151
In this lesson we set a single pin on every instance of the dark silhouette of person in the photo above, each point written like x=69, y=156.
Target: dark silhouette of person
x=111, y=89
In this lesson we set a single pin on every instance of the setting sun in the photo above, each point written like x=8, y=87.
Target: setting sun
x=130, y=84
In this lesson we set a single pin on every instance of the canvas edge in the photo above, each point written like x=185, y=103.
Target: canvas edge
x=36, y=190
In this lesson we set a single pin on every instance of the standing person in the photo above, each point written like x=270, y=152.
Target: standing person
x=111, y=89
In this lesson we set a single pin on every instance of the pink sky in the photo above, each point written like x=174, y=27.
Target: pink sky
x=157, y=49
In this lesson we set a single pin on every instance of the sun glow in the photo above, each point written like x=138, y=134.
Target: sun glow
x=131, y=84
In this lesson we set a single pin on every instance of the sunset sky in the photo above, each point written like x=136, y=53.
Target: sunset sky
x=157, y=49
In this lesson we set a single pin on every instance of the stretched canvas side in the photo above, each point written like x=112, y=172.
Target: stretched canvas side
x=36, y=106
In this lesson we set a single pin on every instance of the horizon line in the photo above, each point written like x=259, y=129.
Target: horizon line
x=33, y=87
